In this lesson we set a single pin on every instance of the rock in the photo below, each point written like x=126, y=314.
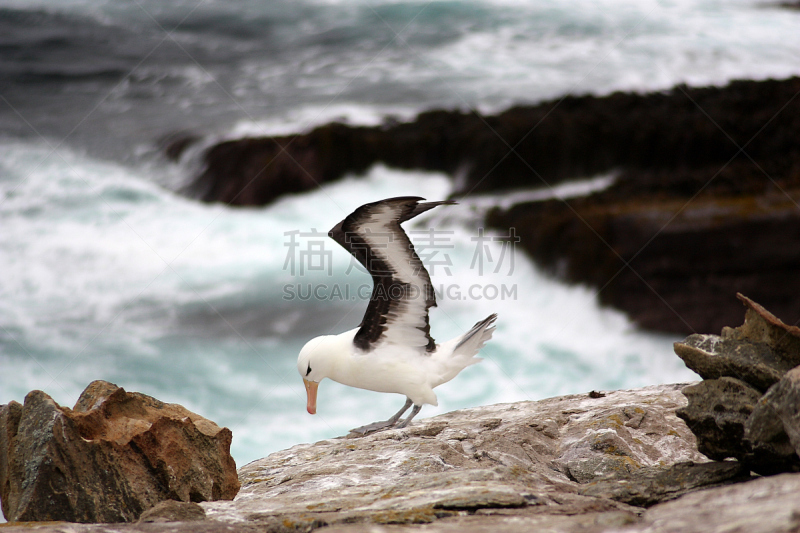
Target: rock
x=173, y=511
x=663, y=141
x=764, y=505
x=761, y=326
x=717, y=412
x=653, y=484
x=110, y=458
x=713, y=357
x=777, y=414
x=759, y=352
x=175, y=144
x=667, y=262
x=729, y=416
x=10, y=415
x=496, y=468
x=611, y=442
x=522, y=457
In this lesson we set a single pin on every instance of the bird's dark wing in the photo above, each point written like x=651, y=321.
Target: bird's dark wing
x=402, y=291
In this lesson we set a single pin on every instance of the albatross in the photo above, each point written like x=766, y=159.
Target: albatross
x=392, y=349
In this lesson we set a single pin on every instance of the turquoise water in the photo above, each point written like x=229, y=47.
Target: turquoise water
x=107, y=273
x=108, y=276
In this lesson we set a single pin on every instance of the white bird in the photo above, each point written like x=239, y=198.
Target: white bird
x=392, y=349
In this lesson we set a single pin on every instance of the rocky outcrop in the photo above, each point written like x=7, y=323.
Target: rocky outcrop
x=775, y=421
x=704, y=203
x=619, y=461
x=668, y=144
x=111, y=457
x=672, y=264
x=748, y=406
x=534, y=457
x=717, y=413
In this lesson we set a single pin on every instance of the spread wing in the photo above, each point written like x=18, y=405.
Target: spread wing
x=402, y=292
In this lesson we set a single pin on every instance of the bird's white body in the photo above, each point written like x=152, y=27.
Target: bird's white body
x=392, y=367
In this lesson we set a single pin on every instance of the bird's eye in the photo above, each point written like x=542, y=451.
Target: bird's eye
x=309, y=370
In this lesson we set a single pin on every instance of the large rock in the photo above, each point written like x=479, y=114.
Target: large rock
x=777, y=414
x=759, y=352
x=110, y=458
x=529, y=456
x=672, y=264
x=761, y=326
x=664, y=143
x=729, y=412
x=712, y=357
x=717, y=412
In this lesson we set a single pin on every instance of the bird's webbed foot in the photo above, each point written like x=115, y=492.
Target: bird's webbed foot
x=387, y=424
x=374, y=427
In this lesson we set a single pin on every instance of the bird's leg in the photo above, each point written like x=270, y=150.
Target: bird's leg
x=375, y=426
x=395, y=417
x=414, y=412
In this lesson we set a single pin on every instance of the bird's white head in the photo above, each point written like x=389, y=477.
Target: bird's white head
x=313, y=364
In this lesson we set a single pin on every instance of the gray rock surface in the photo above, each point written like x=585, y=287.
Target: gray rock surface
x=173, y=511
x=762, y=326
x=713, y=357
x=777, y=413
x=110, y=458
x=717, y=412
x=729, y=412
x=524, y=455
x=499, y=468
x=758, y=352
x=764, y=505
x=650, y=485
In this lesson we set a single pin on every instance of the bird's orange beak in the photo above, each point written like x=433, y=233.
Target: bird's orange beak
x=311, y=391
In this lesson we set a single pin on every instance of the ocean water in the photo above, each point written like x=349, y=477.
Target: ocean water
x=108, y=273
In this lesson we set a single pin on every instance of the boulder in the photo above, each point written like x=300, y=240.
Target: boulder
x=729, y=412
x=717, y=412
x=712, y=357
x=662, y=144
x=759, y=352
x=777, y=414
x=528, y=457
x=671, y=264
x=761, y=326
x=111, y=457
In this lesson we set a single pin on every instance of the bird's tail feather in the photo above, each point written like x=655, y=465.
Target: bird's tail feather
x=473, y=340
x=450, y=361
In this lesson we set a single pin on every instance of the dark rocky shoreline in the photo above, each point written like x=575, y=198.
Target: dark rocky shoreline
x=705, y=203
